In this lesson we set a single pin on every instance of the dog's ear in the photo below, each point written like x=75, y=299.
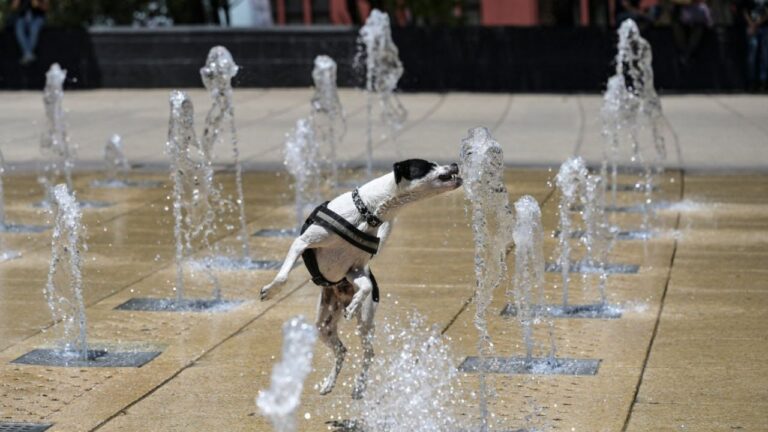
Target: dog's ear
x=399, y=169
x=412, y=169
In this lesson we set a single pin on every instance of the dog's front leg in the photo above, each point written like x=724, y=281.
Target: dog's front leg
x=383, y=232
x=297, y=248
x=364, y=288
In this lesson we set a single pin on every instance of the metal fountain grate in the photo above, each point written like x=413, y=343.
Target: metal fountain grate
x=594, y=311
x=582, y=267
x=276, y=232
x=23, y=427
x=627, y=187
x=95, y=358
x=533, y=366
x=621, y=235
x=176, y=305
x=23, y=229
x=356, y=426
x=234, y=264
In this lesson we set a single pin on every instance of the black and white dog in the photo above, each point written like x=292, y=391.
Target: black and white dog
x=338, y=241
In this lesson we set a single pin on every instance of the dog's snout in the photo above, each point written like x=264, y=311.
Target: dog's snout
x=454, y=168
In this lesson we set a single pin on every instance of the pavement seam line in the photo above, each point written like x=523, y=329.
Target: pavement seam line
x=504, y=114
x=194, y=360
x=634, y=403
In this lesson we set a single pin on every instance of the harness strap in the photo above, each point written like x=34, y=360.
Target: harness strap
x=363, y=241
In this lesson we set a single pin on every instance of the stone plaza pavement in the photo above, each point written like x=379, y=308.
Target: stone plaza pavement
x=688, y=352
x=718, y=132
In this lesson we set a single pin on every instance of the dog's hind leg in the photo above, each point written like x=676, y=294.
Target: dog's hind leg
x=329, y=309
x=366, y=327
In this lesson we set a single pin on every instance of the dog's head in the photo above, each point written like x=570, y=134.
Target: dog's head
x=423, y=179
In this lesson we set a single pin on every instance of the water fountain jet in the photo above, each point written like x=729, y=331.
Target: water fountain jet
x=116, y=165
x=482, y=168
x=58, y=154
x=328, y=115
x=383, y=70
x=194, y=195
x=65, y=298
x=281, y=401
x=632, y=106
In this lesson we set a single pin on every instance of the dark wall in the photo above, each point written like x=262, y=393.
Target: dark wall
x=72, y=48
x=435, y=59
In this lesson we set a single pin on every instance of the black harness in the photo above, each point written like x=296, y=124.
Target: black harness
x=329, y=220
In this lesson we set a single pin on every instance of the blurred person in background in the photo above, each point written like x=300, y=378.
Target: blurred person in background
x=692, y=17
x=29, y=20
x=755, y=14
x=631, y=9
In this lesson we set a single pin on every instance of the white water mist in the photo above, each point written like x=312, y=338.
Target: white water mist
x=383, y=70
x=64, y=286
x=280, y=402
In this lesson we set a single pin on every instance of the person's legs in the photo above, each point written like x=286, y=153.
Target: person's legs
x=751, y=57
x=762, y=37
x=35, y=25
x=697, y=32
x=21, y=36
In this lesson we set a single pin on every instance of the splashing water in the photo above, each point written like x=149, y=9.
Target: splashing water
x=482, y=168
x=327, y=114
x=55, y=148
x=414, y=384
x=64, y=287
x=280, y=402
x=114, y=158
x=570, y=180
x=217, y=75
x=193, y=189
x=301, y=161
x=529, y=270
x=631, y=105
x=383, y=70
x=598, y=234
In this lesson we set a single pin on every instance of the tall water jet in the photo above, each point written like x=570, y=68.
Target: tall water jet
x=631, y=106
x=328, y=115
x=57, y=154
x=64, y=295
x=383, y=70
x=529, y=270
x=280, y=402
x=301, y=161
x=64, y=286
x=414, y=384
x=192, y=177
x=598, y=235
x=114, y=158
x=570, y=181
x=217, y=75
x=482, y=168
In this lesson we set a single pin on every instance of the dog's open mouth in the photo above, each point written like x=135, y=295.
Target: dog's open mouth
x=453, y=178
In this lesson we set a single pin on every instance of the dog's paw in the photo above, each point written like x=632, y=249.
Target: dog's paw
x=327, y=385
x=351, y=310
x=359, y=390
x=268, y=291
